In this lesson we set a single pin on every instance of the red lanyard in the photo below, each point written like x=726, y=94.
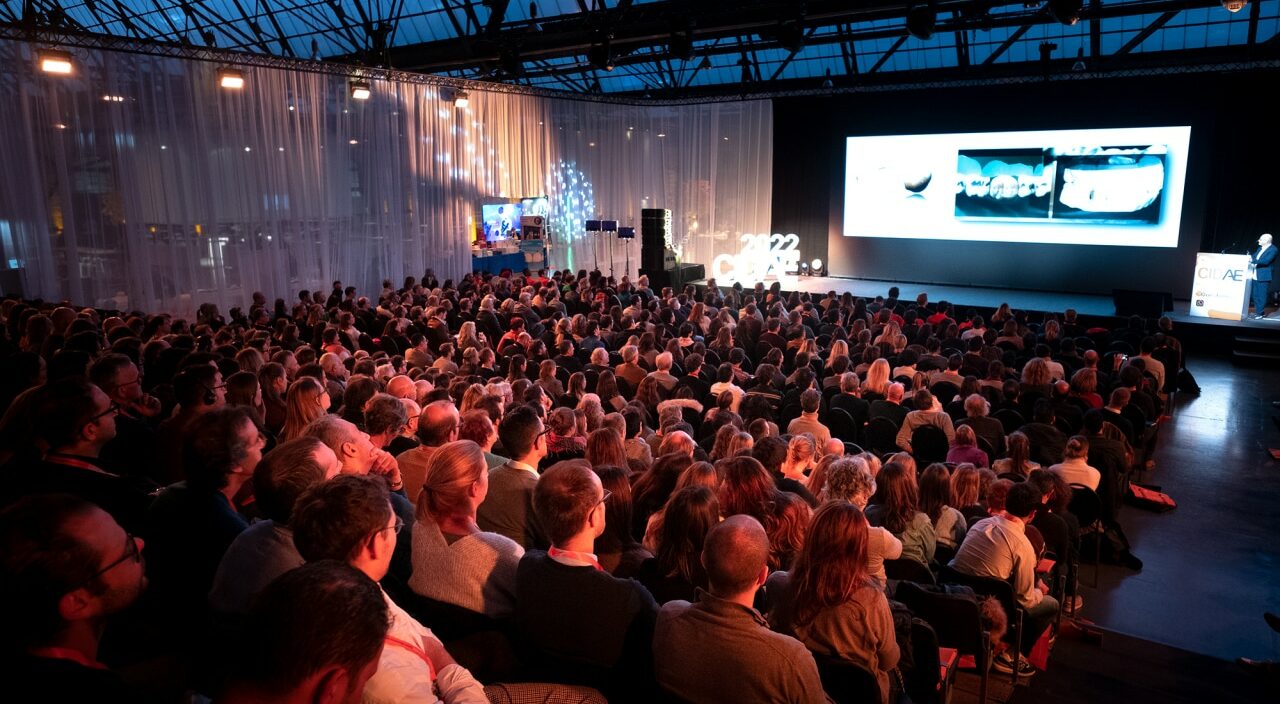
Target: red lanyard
x=67, y=654
x=416, y=650
x=70, y=461
x=575, y=555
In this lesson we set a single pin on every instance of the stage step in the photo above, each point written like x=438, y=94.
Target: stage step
x=1252, y=349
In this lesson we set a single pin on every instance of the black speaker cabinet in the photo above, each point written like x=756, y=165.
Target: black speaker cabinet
x=1148, y=304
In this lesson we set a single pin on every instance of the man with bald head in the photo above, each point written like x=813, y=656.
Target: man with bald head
x=1260, y=264
x=721, y=649
x=402, y=387
x=437, y=425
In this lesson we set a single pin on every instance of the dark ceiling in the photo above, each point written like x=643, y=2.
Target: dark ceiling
x=667, y=49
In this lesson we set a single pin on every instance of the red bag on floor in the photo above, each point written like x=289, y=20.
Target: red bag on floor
x=1039, y=657
x=1150, y=499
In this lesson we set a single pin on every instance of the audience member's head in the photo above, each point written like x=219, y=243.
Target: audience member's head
x=735, y=555
x=313, y=635
x=568, y=501
x=287, y=471
x=349, y=519
x=65, y=566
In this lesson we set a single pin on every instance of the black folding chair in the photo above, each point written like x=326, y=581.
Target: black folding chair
x=957, y=620
x=1086, y=506
x=1003, y=592
x=846, y=682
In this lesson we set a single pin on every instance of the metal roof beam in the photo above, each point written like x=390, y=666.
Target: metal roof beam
x=885, y=57
x=1146, y=32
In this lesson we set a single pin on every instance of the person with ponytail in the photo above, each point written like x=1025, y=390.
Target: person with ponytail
x=453, y=560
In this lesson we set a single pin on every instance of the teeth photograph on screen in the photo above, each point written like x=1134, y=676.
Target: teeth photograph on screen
x=1093, y=187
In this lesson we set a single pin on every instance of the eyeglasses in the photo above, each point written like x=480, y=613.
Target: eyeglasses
x=112, y=408
x=605, y=496
x=130, y=553
x=397, y=527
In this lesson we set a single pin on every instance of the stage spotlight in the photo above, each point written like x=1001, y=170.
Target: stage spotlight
x=804, y=268
x=600, y=56
x=1234, y=5
x=1066, y=11
x=461, y=99
x=921, y=19
x=230, y=78
x=816, y=267
x=53, y=61
x=360, y=90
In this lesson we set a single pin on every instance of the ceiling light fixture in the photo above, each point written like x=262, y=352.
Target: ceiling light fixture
x=1234, y=5
x=921, y=20
x=230, y=78
x=54, y=61
x=360, y=90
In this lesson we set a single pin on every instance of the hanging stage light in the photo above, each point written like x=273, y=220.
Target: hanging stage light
x=54, y=61
x=360, y=90
x=230, y=78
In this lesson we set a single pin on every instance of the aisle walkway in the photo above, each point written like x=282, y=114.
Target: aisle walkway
x=1212, y=566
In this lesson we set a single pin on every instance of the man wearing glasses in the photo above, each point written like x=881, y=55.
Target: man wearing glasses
x=584, y=625
x=134, y=447
x=65, y=567
x=75, y=419
x=349, y=519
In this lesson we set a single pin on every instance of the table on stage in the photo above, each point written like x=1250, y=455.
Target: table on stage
x=495, y=263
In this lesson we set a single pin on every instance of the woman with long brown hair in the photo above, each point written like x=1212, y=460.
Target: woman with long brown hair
x=675, y=571
x=899, y=512
x=830, y=603
x=453, y=560
x=605, y=449
x=1019, y=457
x=307, y=400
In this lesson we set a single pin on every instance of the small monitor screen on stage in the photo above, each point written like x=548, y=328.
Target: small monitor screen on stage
x=539, y=205
x=1097, y=187
x=501, y=220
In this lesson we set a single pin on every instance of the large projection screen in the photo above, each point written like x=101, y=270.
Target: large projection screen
x=1120, y=187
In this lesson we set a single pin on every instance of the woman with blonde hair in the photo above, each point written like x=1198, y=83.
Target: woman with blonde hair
x=830, y=602
x=307, y=400
x=876, y=386
x=839, y=348
x=471, y=398
x=468, y=337
x=453, y=560
x=801, y=455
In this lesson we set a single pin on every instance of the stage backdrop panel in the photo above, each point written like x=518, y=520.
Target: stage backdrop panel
x=138, y=182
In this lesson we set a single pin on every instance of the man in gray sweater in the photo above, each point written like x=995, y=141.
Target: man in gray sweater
x=721, y=649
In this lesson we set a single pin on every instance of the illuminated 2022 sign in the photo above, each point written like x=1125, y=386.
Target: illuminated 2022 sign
x=760, y=257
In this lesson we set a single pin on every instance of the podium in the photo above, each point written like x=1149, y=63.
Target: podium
x=1221, y=286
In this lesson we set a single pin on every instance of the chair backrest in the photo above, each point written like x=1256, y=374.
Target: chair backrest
x=956, y=619
x=944, y=391
x=929, y=445
x=905, y=568
x=840, y=423
x=846, y=682
x=989, y=586
x=882, y=435
x=1085, y=505
x=1010, y=419
x=789, y=413
x=985, y=445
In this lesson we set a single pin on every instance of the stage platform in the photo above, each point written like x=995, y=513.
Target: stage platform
x=977, y=297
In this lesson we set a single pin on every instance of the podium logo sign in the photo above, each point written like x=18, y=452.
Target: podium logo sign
x=760, y=257
x=1221, y=286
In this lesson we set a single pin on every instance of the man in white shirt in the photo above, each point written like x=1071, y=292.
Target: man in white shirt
x=998, y=547
x=350, y=519
x=1075, y=469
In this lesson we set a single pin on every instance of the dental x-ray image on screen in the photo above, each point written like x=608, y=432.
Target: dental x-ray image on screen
x=1004, y=184
x=1110, y=187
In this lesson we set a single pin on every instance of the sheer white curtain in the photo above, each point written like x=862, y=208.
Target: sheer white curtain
x=137, y=182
